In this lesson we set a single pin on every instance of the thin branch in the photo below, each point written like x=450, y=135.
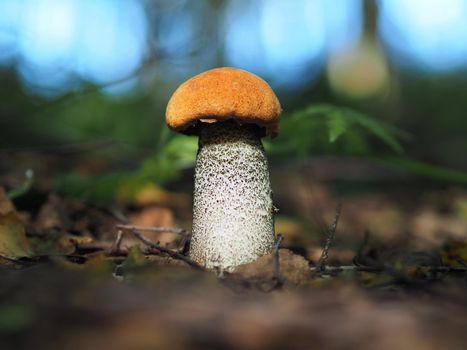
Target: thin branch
x=332, y=270
x=184, y=245
x=357, y=259
x=117, y=214
x=329, y=239
x=116, y=245
x=158, y=229
x=280, y=280
x=461, y=261
x=167, y=251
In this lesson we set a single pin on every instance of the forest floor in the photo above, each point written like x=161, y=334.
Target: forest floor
x=76, y=275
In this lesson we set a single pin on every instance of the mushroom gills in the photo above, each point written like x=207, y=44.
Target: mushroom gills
x=233, y=220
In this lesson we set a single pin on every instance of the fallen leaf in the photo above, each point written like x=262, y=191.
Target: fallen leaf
x=455, y=254
x=57, y=243
x=294, y=268
x=152, y=217
x=13, y=241
x=54, y=214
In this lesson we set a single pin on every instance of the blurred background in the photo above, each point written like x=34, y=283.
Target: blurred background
x=373, y=93
x=374, y=97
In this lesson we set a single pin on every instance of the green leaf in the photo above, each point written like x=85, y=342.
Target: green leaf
x=384, y=132
x=337, y=125
x=428, y=170
x=135, y=258
x=179, y=153
x=24, y=188
x=319, y=127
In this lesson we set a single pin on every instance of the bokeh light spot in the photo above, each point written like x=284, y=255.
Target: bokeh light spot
x=60, y=42
x=425, y=34
x=287, y=41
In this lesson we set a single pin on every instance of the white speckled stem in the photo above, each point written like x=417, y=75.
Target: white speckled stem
x=233, y=221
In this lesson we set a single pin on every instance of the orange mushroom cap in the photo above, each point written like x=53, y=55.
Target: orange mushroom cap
x=221, y=94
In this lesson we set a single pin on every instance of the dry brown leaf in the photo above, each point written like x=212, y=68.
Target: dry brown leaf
x=13, y=241
x=294, y=268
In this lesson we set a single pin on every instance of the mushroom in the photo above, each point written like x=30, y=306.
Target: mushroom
x=233, y=213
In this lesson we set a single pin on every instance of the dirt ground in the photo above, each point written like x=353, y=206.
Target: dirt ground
x=395, y=277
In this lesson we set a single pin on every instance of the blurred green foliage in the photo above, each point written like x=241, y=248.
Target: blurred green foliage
x=417, y=124
x=176, y=154
x=14, y=318
x=317, y=129
x=323, y=128
x=427, y=170
x=143, y=150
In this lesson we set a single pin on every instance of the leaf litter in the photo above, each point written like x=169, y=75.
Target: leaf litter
x=68, y=283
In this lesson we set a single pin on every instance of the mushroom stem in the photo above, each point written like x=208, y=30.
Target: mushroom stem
x=233, y=221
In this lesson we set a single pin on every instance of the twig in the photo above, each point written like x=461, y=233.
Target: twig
x=359, y=256
x=280, y=280
x=176, y=230
x=123, y=219
x=329, y=239
x=461, y=261
x=186, y=235
x=24, y=261
x=117, y=214
x=116, y=245
x=332, y=270
x=167, y=251
x=184, y=244
x=368, y=262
